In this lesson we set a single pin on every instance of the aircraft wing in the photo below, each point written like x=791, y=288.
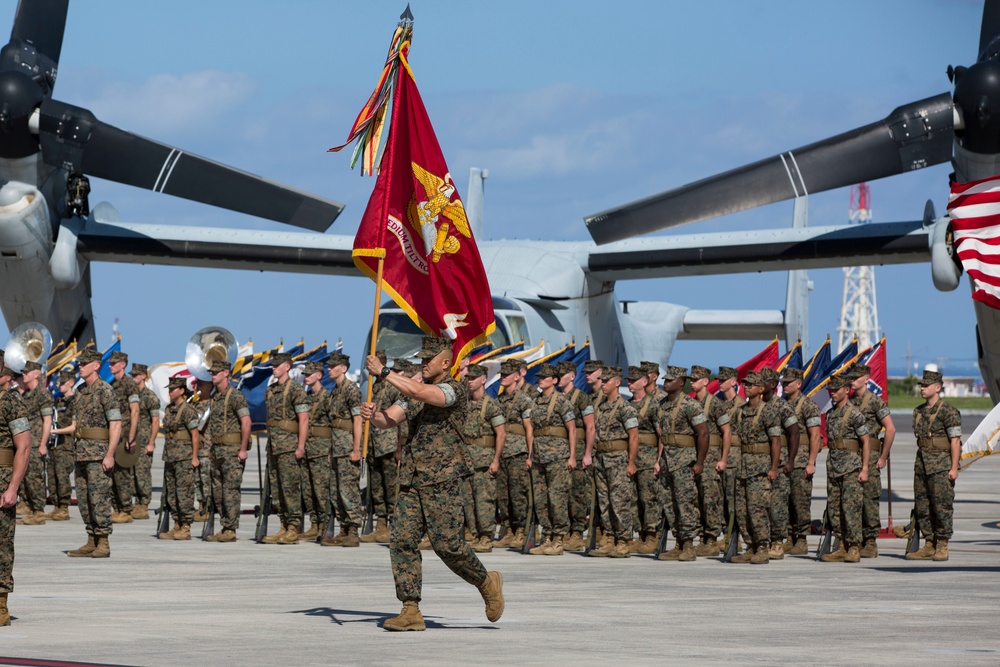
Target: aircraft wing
x=290, y=252
x=761, y=250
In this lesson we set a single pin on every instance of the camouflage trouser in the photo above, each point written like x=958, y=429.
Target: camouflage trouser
x=431, y=510
x=780, y=490
x=202, y=477
x=732, y=464
x=468, y=505
x=8, y=517
x=710, y=495
x=648, y=501
x=287, y=488
x=346, y=491
x=60, y=467
x=933, y=500
x=845, y=498
x=753, y=500
x=93, y=497
x=667, y=500
x=484, y=501
x=800, y=503
x=550, y=485
x=580, y=489
x=614, y=492
x=178, y=477
x=382, y=477
x=512, y=491
x=142, y=479
x=124, y=487
x=316, y=489
x=870, y=518
x=33, y=486
x=227, y=479
x=684, y=498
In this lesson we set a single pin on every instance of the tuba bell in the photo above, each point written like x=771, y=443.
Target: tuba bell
x=29, y=342
x=208, y=345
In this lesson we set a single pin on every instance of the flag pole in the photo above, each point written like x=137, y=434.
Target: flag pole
x=371, y=352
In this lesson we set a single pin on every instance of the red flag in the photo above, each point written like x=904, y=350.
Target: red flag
x=766, y=357
x=416, y=221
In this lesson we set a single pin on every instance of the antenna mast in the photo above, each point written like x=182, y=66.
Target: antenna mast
x=859, y=309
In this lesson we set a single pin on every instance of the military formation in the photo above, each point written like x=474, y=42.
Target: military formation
x=540, y=469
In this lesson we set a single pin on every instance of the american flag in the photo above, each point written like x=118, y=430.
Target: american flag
x=975, y=213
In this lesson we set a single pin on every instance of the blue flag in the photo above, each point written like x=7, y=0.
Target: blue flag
x=105, y=371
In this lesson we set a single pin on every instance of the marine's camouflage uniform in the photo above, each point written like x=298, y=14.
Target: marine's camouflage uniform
x=127, y=392
x=481, y=418
x=512, y=480
x=612, y=421
x=382, y=452
x=96, y=406
x=13, y=420
x=142, y=476
x=781, y=487
x=874, y=410
x=549, y=455
x=227, y=408
x=345, y=405
x=178, y=475
x=732, y=406
x=580, y=485
x=61, y=459
x=933, y=492
x=679, y=417
x=845, y=496
x=39, y=403
x=315, y=465
x=284, y=402
x=711, y=484
x=755, y=426
x=801, y=487
x=647, y=489
x=430, y=479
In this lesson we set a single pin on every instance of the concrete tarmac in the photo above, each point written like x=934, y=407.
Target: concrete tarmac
x=191, y=603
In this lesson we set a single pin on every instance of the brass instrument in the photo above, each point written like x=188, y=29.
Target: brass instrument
x=29, y=342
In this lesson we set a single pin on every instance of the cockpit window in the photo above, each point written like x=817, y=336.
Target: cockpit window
x=398, y=335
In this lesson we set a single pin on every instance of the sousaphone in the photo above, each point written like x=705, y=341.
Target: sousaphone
x=29, y=342
x=208, y=345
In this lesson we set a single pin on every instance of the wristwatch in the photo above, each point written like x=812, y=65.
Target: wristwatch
x=384, y=373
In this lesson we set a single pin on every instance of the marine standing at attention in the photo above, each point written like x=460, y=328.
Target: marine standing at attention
x=15, y=446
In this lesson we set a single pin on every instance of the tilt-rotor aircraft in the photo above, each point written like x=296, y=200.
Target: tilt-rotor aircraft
x=555, y=292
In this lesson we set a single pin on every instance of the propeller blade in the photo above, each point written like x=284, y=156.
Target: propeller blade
x=990, y=28
x=913, y=136
x=74, y=138
x=40, y=23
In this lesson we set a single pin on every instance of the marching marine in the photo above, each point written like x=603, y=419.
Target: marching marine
x=15, y=447
x=180, y=458
x=229, y=428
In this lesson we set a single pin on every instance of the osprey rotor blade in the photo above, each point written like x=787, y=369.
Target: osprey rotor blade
x=913, y=136
x=38, y=30
x=990, y=29
x=74, y=137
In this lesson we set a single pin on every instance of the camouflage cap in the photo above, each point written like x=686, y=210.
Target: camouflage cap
x=635, y=373
x=675, y=373
x=31, y=366
x=931, y=377
x=700, y=373
x=401, y=365
x=611, y=373
x=433, y=346
x=280, y=358
x=839, y=381
x=6, y=371
x=476, y=371
x=791, y=374
x=311, y=367
x=859, y=370
x=521, y=364
x=768, y=374
x=66, y=376
x=380, y=355
x=117, y=356
x=89, y=356
x=547, y=371
x=177, y=383
x=565, y=367
x=340, y=359
x=142, y=369
x=727, y=373
x=649, y=367
x=592, y=365
x=753, y=377
x=508, y=366
x=218, y=366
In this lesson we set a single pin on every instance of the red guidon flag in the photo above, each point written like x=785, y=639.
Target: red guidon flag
x=415, y=219
x=974, y=209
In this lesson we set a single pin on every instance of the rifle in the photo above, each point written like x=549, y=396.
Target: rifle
x=264, y=509
x=208, y=529
x=532, y=528
x=595, y=511
x=369, y=501
x=732, y=530
x=913, y=544
x=825, y=545
x=661, y=545
x=163, y=525
x=330, y=531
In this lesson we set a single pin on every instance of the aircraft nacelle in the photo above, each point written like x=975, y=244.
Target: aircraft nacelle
x=945, y=271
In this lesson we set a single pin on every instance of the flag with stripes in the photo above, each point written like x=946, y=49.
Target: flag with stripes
x=974, y=209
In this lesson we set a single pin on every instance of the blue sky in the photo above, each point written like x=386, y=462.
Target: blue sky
x=574, y=107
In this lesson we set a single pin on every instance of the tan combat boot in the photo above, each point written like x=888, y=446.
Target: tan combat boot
x=648, y=545
x=672, y=554
x=900, y=531
x=273, y=538
x=425, y=544
x=555, y=547
x=227, y=535
x=201, y=515
x=409, y=619
x=140, y=512
x=604, y=547
x=335, y=540
x=310, y=534
x=761, y=555
x=688, y=553
x=4, y=613
x=709, y=547
x=835, y=556
x=621, y=550
x=169, y=535
x=743, y=557
x=940, y=550
x=121, y=517
x=634, y=543
x=505, y=539
x=776, y=551
x=870, y=549
x=853, y=554
x=373, y=536
x=184, y=532
x=291, y=536
x=492, y=591
x=574, y=541
x=383, y=535
x=519, y=538
x=539, y=550
x=85, y=550
x=483, y=545
x=34, y=519
x=351, y=539
x=22, y=508
x=103, y=548
x=925, y=552
x=61, y=514
x=800, y=547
